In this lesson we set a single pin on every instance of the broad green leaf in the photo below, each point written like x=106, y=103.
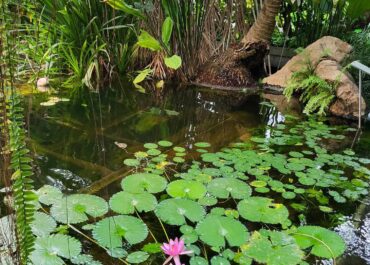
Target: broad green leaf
x=51, y=249
x=323, y=242
x=143, y=74
x=218, y=260
x=145, y=40
x=152, y=248
x=228, y=187
x=141, y=182
x=76, y=208
x=126, y=202
x=131, y=162
x=216, y=230
x=167, y=28
x=111, y=231
x=42, y=224
x=164, y=143
x=176, y=211
x=198, y=261
x=123, y=6
x=186, y=189
x=173, y=62
x=260, y=209
x=48, y=194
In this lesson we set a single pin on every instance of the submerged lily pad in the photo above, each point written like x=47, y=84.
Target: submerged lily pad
x=110, y=231
x=186, y=189
x=51, y=249
x=126, y=203
x=260, y=209
x=228, y=187
x=141, y=182
x=216, y=230
x=76, y=208
x=174, y=211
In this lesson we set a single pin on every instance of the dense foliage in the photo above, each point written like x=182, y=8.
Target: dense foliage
x=208, y=201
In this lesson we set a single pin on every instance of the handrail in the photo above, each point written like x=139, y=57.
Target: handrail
x=361, y=69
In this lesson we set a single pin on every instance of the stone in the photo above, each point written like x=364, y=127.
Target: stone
x=42, y=82
x=347, y=92
x=334, y=48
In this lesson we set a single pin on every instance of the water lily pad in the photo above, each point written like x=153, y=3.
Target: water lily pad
x=152, y=248
x=42, y=224
x=208, y=201
x=198, y=261
x=76, y=208
x=141, y=182
x=176, y=211
x=260, y=209
x=165, y=143
x=178, y=159
x=186, y=189
x=51, y=249
x=258, y=184
x=111, y=231
x=202, y=144
x=131, y=162
x=150, y=146
x=218, y=260
x=323, y=242
x=179, y=149
x=48, y=194
x=273, y=248
x=153, y=152
x=84, y=259
x=137, y=257
x=126, y=202
x=228, y=187
x=288, y=195
x=216, y=230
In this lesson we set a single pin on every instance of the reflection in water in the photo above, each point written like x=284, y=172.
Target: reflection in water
x=78, y=138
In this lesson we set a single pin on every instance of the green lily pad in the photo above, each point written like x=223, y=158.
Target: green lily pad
x=202, y=144
x=131, y=162
x=228, y=187
x=165, y=143
x=218, y=260
x=323, y=242
x=198, y=261
x=264, y=210
x=137, y=257
x=150, y=146
x=76, y=208
x=43, y=224
x=258, y=184
x=111, y=231
x=141, y=182
x=152, y=248
x=51, y=249
x=179, y=149
x=48, y=194
x=174, y=211
x=153, y=152
x=126, y=203
x=273, y=248
x=178, y=159
x=216, y=230
x=186, y=189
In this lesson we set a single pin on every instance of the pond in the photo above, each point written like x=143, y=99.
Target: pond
x=79, y=146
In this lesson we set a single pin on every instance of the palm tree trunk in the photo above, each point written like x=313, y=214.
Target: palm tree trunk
x=264, y=26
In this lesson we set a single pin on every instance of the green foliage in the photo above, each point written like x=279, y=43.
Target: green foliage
x=127, y=203
x=22, y=183
x=316, y=93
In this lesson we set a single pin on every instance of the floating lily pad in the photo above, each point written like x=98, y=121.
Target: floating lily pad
x=150, y=146
x=174, y=211
x=131, y=162
x=152, y=248
x=228, y=187
x=43, y=224
x=165, y=143
x=202, y=144
x=258, y=184
x=178, y=159
x=186, y=189
x=76, y=208
x=48, y=194
x=273, y=248
x=198, y=261
x=137, y=257
x=153, y=152
x=141, y=182
x=179, y=149
x=126, y=203
x=323, y=242
x=111, y=231
x=216, y=230
x=260, y=209
x=218, y=260
x=51, y=249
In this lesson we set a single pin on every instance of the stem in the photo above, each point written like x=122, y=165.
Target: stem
x=150, y=231
x=164, y=229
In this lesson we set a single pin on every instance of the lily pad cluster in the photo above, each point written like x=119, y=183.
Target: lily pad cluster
x=235, y=206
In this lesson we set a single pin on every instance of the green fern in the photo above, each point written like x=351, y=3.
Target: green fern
x=22, y=184
x=316, y=93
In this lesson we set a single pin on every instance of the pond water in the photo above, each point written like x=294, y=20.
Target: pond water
x=80, y=145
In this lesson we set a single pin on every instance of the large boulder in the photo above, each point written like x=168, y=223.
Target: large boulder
x=327, y=46
x=347, y=93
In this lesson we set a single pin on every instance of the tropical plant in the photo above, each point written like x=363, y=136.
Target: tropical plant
x=314, y=92
x=208, y=201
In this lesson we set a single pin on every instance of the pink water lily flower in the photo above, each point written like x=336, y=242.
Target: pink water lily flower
x=174, y=249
